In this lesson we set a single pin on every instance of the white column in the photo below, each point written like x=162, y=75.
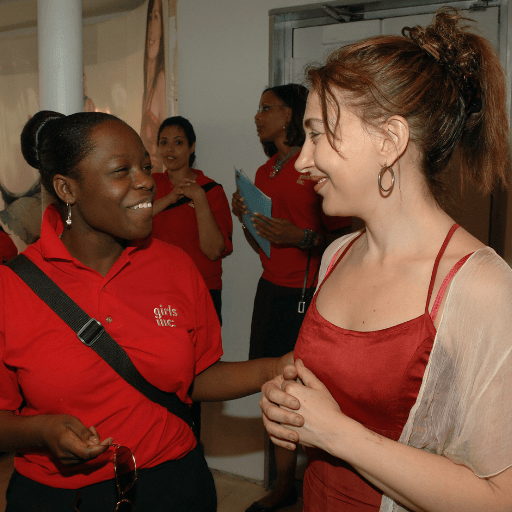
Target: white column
x=59, y=28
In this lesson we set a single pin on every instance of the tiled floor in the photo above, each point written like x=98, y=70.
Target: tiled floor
x=235, y=494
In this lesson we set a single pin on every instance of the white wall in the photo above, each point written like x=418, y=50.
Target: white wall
x=223, y=52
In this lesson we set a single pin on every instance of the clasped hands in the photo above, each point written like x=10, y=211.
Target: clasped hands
x=298, y=409
x=187, y=188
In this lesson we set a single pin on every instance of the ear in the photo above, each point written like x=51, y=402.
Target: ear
x=65, y=188
x=192, y=148
x=395, y=140
x=288, y=115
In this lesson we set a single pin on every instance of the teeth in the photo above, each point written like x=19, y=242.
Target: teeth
x=142, y=205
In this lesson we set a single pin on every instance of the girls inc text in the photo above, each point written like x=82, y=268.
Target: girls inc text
x=162, y=316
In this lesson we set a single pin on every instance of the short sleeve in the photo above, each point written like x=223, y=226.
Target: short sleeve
x=208, y=340
x=465, y=406
x=221, y=212
x=10, y=396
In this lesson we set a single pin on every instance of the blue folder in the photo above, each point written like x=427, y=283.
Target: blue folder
x=256, y=202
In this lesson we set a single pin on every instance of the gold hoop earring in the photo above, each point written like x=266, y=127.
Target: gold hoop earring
x=385, y=169
x=68, y=220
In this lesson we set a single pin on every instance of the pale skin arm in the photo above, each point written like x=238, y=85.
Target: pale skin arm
x=230, y=380
x=419, y=480
x=64, y=436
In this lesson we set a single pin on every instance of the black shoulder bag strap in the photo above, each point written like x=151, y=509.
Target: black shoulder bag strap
x=91, y=333
x=206, y=187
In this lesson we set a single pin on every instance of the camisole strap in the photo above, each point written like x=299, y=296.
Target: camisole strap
x=334, y=261
x=436, y=263
x=446, y=282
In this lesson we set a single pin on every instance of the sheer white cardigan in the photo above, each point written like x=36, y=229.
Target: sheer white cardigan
x=464, y=406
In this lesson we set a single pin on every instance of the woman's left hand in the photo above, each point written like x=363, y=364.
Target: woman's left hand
x=278, y=231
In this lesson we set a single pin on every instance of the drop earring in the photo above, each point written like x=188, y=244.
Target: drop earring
x=385, y=169
x=68, y=220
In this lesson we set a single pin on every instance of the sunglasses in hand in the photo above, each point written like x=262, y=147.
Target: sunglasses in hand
x=125, y=470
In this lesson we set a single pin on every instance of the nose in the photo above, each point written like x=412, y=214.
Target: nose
x=305, y=160
x=143, y=180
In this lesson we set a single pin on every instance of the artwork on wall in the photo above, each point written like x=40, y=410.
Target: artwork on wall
x=154, y=108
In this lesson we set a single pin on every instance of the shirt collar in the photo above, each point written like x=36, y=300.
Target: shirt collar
x=52, y=228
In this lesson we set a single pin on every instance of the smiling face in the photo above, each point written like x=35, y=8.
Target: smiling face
x=114, y=196
x=272, y=118
x=174, y=148
x=154, y=30
x=346, y=176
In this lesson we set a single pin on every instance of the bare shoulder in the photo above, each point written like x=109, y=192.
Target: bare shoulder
x=464, y=242
x=461, y=244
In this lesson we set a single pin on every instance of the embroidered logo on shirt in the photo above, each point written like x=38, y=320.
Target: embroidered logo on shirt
x=163, y=316
x=191, y=204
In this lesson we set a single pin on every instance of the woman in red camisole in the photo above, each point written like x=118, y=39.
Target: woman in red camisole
x=402, y=393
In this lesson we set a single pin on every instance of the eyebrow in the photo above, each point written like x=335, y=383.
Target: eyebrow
x=175, y=137
x=125, y=155
x=311, y=120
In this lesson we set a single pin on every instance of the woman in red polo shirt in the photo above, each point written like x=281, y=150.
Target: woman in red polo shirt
x=7, y=248
x=191, y=210
x=61, y=405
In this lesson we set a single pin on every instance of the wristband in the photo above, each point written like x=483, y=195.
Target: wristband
x=308, y=240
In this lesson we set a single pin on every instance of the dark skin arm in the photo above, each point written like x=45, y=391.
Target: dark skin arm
x=64, y=436
x=276, y=230
x=230, y=380
x=238, y=208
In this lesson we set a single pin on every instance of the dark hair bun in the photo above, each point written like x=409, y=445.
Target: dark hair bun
x=33, y=133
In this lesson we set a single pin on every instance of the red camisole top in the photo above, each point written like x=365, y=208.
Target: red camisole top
x=375, y=377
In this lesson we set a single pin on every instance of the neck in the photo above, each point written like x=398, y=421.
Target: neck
x=283, y=151
x=175, y=176
x=406, y=224
x=94, y=250
x=282, y=148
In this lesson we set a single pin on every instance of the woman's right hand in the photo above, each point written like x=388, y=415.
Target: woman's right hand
x=238, y=206
x=67, y=438
x=279, y=408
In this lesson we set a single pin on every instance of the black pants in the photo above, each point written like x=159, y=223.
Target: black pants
x=184, y=485
x=216, y=296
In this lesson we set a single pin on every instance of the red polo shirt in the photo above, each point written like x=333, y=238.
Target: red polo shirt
x=7, y=248
x=178, y=226
x=153, y=302
x=293, y=199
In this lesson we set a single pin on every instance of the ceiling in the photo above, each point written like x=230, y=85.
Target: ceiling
x=21, y=14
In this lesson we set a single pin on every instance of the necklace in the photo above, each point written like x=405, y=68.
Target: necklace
x=279, y=165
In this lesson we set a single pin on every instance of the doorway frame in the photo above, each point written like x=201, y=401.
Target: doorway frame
x=284, y=20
